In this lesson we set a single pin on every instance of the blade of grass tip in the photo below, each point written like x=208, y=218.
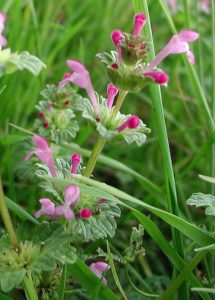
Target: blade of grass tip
x=197, y=89
x=162, y=134
x=172, y=289
x=113, y=269
x=62, y=284
x=203, y=290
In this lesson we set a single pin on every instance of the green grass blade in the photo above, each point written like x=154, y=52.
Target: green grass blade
x=20, y=212
x=62, y=284
x=82, y=274
x=153, y=230
x=113, y=269
x=203, y=290
x=169, y=293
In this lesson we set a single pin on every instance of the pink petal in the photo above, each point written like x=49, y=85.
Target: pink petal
x=100, y=266
x=158, y=76
x=112, y=91
x=188, y=36
x=191, y=57
x=139, y=21
x=40, y=142
x=71, y=195
x=3, y=41
x=77, y=67
x=117, y=36
x=177, y=44
x=69, y=214
x=28, y=155
x=75, y=160
x=172, y=4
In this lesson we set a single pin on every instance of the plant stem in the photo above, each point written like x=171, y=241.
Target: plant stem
x=7, y=219
x=101, y=141
x=29, y=288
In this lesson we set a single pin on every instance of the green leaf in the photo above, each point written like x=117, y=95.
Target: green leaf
x=4, y=297
x=203, y=200
x=20, y=212
x=11, y=279
x=83, y=275
x=62, y=283
x=10, y=62
x=113, y=269
x=30, y=62
x=207, y=178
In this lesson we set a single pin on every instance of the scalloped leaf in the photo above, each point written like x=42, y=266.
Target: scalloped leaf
x=10, y=62
x=11, y=279
x=203, y=200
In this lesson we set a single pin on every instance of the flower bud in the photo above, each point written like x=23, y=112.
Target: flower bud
x=85, y=213
x=132, y=122
x=75, y=160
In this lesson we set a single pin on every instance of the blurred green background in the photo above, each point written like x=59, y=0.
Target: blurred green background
x=57, y=30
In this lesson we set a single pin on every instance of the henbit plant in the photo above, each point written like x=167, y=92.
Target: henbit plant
x=82, y=210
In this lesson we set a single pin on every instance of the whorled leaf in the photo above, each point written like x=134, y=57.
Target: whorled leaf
x=107, y=125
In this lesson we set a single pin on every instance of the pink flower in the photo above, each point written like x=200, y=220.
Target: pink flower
x=47, y=208
x=85, y=213
x=159, y=77
x=99, y=268
x=112, y=91
x=132, y=122
x=117, y=36
x=43, y=152
x=172, y=4
x=81, y=78
x=71, y=197
x=3, y=41
x=204, y=6
x=179, y=43
x=75, y=160
x=139, y=22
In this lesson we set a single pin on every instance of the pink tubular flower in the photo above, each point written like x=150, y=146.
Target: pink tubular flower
x=3, y=41
x=112, y=91
x=139, y=22
x=75, y=160
x=47, y=208
x=81, y=78
x=204, y=6
x=71, y=197
x=99, y=268
x=179, y=43
x=159, y=77
x=132, y=122
x=117, y=36
x=172, y=4
x=85, y=213
x=43, y=152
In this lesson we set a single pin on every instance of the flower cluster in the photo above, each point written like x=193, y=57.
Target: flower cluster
x=203, y=5
x=129, y=69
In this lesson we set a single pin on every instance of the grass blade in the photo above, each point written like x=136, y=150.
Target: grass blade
x=82, y=274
